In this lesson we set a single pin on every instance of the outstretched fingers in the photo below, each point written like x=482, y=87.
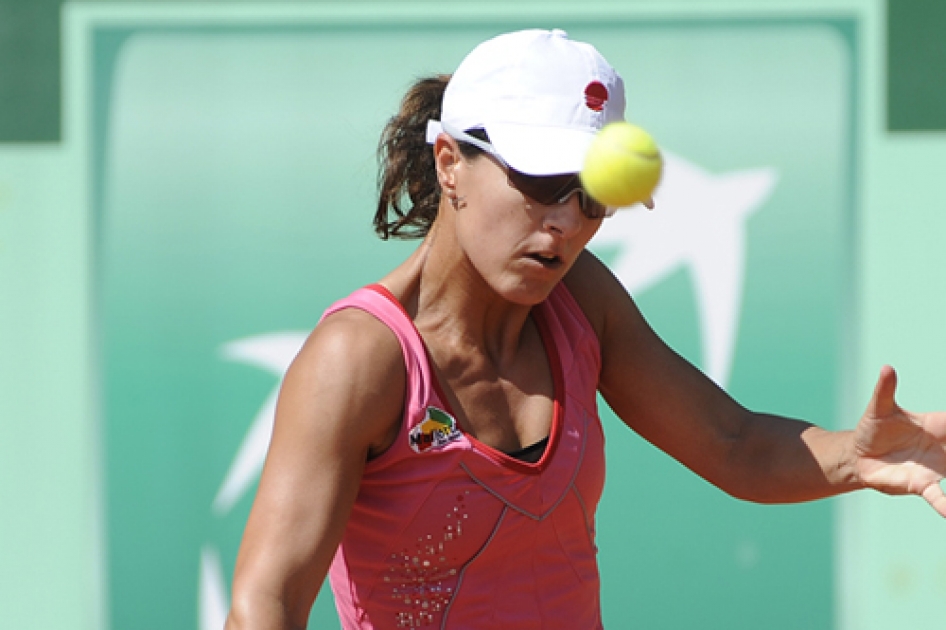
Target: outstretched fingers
x=935, y=497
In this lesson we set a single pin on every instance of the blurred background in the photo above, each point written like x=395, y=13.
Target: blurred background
x=185, y=186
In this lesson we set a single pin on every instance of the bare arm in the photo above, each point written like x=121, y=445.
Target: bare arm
x=758, y=457
x=340, y=403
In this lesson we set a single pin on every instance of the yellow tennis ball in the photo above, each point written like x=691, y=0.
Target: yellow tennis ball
x=622, y=166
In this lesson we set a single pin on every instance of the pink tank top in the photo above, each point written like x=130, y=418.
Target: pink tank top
x=447, y=532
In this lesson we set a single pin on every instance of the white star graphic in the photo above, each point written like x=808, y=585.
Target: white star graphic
x=273, y=353
x=699, y=221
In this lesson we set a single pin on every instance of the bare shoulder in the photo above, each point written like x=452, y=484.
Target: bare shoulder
x=350, y=371
x=602, y=297
x=339, y=405
x=629, y=345
x=351, y=333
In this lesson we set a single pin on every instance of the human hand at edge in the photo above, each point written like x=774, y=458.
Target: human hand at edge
x=898, y=451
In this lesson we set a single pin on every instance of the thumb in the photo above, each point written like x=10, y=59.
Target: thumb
x=882, y=403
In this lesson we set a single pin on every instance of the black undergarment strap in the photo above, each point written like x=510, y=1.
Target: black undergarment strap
x=531, y=453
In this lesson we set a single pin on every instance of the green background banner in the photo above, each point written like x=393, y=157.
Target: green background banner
x=208, y=192
x=235, y=172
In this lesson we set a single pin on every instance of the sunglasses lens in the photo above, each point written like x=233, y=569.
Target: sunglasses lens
x=591, y=208
x=553, y=189
x=545, y=190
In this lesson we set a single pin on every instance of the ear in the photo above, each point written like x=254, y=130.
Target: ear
x=446, y=160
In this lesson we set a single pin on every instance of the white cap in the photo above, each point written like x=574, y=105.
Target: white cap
x=540, y=96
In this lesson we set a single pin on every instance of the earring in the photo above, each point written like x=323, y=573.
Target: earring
x=457, y=201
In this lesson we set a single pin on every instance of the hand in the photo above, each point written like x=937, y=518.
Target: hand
x=900, y=452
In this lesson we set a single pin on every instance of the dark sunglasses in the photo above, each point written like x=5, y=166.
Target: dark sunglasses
x=546, y=189
x=555, y=189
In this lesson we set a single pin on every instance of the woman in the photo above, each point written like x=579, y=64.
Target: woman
x=437, y=448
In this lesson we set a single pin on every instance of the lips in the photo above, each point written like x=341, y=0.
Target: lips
x=546, y=259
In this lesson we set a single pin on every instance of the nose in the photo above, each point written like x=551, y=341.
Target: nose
x=564, y=217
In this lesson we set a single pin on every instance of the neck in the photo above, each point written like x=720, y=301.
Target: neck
x=454, y=304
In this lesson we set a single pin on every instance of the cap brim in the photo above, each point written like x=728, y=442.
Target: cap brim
x=535, y=150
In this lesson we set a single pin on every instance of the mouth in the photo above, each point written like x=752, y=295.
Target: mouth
x=549, y=261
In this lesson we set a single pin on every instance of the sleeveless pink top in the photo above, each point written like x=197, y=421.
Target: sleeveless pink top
x=447, y=532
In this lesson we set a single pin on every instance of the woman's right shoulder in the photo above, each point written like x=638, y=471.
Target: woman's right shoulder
x=352, y=325
x=354, y=342
x=351, y=370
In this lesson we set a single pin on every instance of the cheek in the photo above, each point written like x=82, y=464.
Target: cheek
x=489, y=232
x=486, y=233
x=494, y=215
x=489, y=194
x=588, y=233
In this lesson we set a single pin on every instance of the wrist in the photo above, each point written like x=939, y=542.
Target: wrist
x=837, y=455
x=848, y=475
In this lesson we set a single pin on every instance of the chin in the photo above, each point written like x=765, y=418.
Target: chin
x=527, y=293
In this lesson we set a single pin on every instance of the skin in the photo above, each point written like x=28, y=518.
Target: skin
x=470, y=287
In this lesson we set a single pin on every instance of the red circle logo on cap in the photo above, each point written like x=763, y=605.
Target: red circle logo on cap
x=596, y=95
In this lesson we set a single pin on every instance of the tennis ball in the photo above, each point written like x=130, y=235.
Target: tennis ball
x=622, y=166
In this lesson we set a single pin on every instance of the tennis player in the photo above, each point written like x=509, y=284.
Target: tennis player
x=437, y=450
